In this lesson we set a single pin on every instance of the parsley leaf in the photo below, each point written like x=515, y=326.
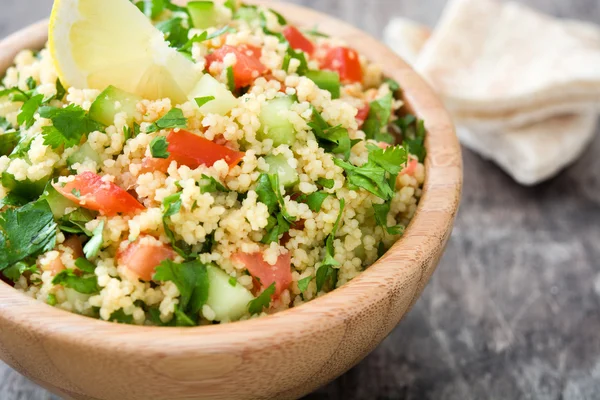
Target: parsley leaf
x=303, y=284
x=413, y=132
x=315, y=200
x=326, y=183
x=327, y=272
x=173, y=119
x=75, y=222
x=172, y=205
x=263, y=301
x=8, y=142
x=60, y=90
x=192, y=281
x=204, y=36
x=276, y=227
x=268, y=190
x=25, y=232
x=393, y=85
x=85, y=265
x=121, y=318
x=203, y=100
x=333, y=139
x=376, y=125
x=14, y=272
x=176, y=31
x=381, y=214
x=299, y=55
x=208, y=184
x=31, y=83
x=27, y=115
x=230, y=79
x=280, y=18
x=159, y=147
x=92, y=248
x=70, y=124
x=266, y=194
x=86, y=284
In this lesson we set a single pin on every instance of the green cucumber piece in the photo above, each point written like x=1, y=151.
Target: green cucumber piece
x=274, y=125
x=288, y=176
x=57, y=202
x=204, y=14
x=85, y=152
x=248, y=14
x=224, y=101
x=228, y=302
x=326, y=80
x=105, y=107
x=26, y=189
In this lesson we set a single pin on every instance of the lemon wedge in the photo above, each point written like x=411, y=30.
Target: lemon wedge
x=98, y=43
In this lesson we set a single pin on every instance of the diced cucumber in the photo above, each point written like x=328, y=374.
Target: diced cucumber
x=326, y=80
x=111, y=102
x=204, y=14
x=274, y=123
x=224, y=100
x=248, y=14
x=85, y=152
x=229, y=303
x=57, y=202
x=26, y=189
x=288, y=176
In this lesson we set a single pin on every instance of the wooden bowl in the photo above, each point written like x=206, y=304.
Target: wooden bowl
x=282, y=356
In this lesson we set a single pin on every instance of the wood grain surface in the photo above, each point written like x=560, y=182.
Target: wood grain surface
x=513, y=311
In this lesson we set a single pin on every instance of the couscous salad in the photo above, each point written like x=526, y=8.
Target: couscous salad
x=183, y=166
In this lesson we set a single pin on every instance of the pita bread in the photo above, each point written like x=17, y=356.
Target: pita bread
x=535, y=153
x=506, y=62
x=406, y=38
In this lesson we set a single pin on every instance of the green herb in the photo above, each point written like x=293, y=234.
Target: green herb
x=280, y=18
x=176, y=31
x=86, y=284
x=31, y=83
x=172, y=205
x=230, y=79
x=15, y=271
x=76, y=193
x=204, y=36
x=381, y=214
x=290, y=54
x=173, y=119
x=159, y=147
x=381, y=250
x=326, y=183
x=75, y=221
x=376, y=124
x=263, y=301
x=203, y=100
x=232, y=5
x=315, y=32
x=13, y=200
x=333, y=139
x=393, y=85
x=233, y=281
x=315, y=200
x=326, y=272
x=208, y=184
x=70, y=124
x=60, y=90
x=51, y=300
x=263, y=24
x=92, y=248
x=85, y=265
x=303, y=283
x=27, y=115
x=4, y=124
x=413, y=132
x=192, y=281
x=26, y=232
x=277, y=226
x=121, y=318
x=15, y=94
x=8, y=142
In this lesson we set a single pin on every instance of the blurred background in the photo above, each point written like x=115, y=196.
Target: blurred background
x=513, y=311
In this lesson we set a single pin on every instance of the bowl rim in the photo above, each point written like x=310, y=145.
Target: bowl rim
x=426, y=234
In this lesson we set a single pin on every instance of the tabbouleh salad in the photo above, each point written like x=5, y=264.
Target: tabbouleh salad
x=275, y=181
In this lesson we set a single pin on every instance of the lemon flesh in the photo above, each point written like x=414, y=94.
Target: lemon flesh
x=98, y=43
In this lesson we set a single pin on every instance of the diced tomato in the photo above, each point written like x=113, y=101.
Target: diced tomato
x=56, y=266
x=193, y=151
x=247, y=67
x=266, y=274
x=297, y=40
x=91, y=192
x=411, y=168
x=74, y=243
x=363, y=114
x=144, y=255
x=344, y=61
x=383, y=145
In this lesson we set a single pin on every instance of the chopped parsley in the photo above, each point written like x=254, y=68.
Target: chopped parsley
x=27, y=115
x=203, y=100
x=263, y=301
x=176, y=31
x=314, y=200
x=76, y=193
x=173, y=119
x=92, y=248
x=376, y=124
x=15, y=271
x=209, y=184
x=233, y=282
x=85, y=284
x=204, y=36
x=85, y=265
x=191, y=279
x=269, y=193
x=326, y=272
x=75, y=221
x=334, y=139
x=60, y=90
x=70, y=125
x=303, y=283
x=326, y=183
x=381, y=214
x=26, y=232
x=230, y=79
x=121, y=318
x=159, y=147
x=172, y=205
x=413, y=133
x=31, y=83
x=299, y=55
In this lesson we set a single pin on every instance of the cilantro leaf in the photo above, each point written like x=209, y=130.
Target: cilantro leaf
x=203, y=100
x=333, y=139
x=376, y=124
x=175, y=30
x=92, y=248
x=266, y=194
x=70, y=124
x=413, y=132
x=370, y=177
x=75, y=221
x=15, y=271
x=172, y=205
x=230, y=79
x=263, y=301
x=27, y=115
x=25, y=232
x=173, y=119
x=85, y=265
x=159, y=147
x=60, y=90
x=381, y=214
x=268, y=190
x=315, y=200
x=392, y=159
x=208, y=184
x=277, y=226
x=326, y=183
x=191, y=279
x=86, y=284
x=327, y=272
x=303, y=284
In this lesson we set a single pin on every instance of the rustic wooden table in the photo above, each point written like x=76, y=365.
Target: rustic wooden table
x=514, y=309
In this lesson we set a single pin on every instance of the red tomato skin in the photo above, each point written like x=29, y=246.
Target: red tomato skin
x=266, y=274
x=363, y=114
x=247, y=67
x=411, y=168
x=95, y=194
x=297, y=40
x=346, y=62
x=142, y=258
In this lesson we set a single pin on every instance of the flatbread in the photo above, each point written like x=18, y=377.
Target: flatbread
x=535, y=153
x=406, y=38
x=506, y=62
